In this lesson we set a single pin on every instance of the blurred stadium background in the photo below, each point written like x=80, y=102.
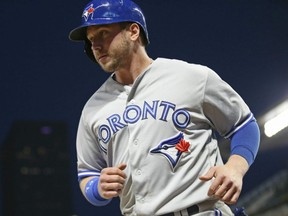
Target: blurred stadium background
x=46, y=79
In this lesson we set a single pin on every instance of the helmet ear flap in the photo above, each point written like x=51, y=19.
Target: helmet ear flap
x=88, y=50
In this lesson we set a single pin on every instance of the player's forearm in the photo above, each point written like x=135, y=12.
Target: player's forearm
x=238, y=163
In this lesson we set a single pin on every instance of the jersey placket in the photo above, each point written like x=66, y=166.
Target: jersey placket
x=136, y=160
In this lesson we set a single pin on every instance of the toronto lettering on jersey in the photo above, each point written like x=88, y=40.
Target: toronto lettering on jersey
x=158, y=110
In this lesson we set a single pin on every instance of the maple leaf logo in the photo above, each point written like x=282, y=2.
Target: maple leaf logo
x=182, y=145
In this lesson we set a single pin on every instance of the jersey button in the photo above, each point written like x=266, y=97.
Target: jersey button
x=138, y=172
x=136, y=142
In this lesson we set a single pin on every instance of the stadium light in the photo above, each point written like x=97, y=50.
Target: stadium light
x=276, y=119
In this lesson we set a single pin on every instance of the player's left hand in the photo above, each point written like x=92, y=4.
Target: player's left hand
x=227, y=182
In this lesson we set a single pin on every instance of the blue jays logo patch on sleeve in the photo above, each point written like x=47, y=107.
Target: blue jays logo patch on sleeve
x=172, y=148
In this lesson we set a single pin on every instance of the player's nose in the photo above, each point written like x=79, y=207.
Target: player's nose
x=96, y=45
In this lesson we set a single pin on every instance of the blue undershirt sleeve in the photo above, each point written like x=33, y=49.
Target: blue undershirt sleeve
x=92, y=194
x=245, y=142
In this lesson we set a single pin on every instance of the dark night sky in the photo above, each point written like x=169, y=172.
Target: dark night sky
x=44, y=76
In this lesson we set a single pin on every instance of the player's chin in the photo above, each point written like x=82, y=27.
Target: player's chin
x=106, y=68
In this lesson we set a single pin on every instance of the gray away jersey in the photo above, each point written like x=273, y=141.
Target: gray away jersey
x=163, y=128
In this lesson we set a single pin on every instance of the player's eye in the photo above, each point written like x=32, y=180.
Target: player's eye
x=99, y=35
x=103, y=33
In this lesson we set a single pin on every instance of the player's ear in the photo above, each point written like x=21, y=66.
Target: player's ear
x=134, y=30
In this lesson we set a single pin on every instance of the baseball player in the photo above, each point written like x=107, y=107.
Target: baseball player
x=147, y=134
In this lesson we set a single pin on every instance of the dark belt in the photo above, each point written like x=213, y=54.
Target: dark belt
x=191, y=210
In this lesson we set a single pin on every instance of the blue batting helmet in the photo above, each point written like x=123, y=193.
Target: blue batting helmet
x=99, y=12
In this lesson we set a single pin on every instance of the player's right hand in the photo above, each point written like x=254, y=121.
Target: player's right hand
x=111, y=181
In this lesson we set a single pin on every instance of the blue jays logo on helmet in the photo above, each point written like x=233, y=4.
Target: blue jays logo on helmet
x=172, y=148
x=87, y=12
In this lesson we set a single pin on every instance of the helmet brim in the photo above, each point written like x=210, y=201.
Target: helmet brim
x=78, y=34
